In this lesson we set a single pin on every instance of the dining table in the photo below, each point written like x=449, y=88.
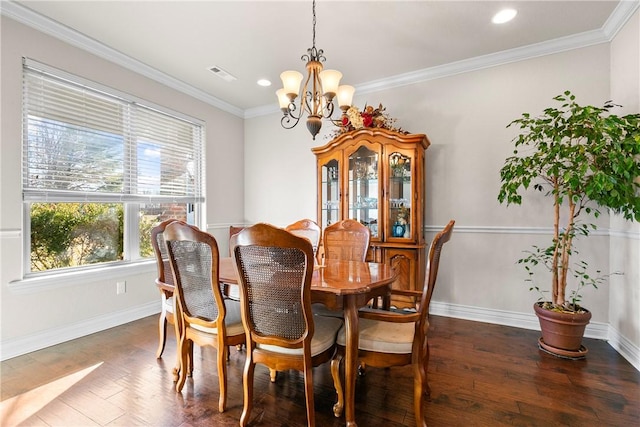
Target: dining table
x=339, y=285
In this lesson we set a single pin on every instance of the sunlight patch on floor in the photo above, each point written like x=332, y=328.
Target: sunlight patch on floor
x=15, y=410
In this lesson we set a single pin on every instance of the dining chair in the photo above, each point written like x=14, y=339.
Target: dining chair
x=346, y=240
x=231, y=291
x=308, y=229
x=399, y=338
x=205, y=317
x=275, y=269
x=164, y=282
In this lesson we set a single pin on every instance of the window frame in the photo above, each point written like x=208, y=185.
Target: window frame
x=132, y=201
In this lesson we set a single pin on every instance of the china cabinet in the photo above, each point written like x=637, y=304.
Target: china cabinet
x=376, y=176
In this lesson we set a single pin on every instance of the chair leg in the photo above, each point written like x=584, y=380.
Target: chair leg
x=272, y=375
x=418, y=382
x=362, y=369
x=183, y=350
x=335, y=373
x=190, y=359
x=417, y=403
x=223, y=352
x=162, y=332
x=247, y=382
x=308, y=393
x=425, y=364
x=177, y=368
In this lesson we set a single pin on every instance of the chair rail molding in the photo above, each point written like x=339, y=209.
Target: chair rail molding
x=489, y=229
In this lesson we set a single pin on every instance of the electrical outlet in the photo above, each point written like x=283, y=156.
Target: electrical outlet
x=121, y=287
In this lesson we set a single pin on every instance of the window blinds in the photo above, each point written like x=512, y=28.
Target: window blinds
x=84, y=142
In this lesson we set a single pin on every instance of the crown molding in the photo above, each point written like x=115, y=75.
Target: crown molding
x=614, y=23
x=48, y=26
x=621, y=14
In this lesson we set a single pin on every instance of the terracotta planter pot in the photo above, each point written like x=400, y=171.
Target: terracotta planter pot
x=562, y=332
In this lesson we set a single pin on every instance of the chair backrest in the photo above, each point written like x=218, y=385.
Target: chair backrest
x=347, y=240
x=308, y=229
x=233, y=230
x=195, y=260
x=433, y=262
x=275, y=269
x=161, y=253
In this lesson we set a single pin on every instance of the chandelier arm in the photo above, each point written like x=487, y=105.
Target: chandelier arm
x=292, y=111
x=289, y=121
x=328, y=110
x=306, y=96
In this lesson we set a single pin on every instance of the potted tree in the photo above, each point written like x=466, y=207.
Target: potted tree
x=584, y=159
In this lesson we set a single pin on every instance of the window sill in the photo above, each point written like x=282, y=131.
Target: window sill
x=46, y=282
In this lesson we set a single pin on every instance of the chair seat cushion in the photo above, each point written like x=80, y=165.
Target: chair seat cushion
x=324, y=337
x=383, y=337
x=168, y=305
x=322, y=310
x=232, y=321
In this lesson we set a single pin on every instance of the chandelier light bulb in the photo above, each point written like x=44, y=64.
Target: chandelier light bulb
x=345, y=96
x=330, y=80
x=283, y=100
x=291, y=81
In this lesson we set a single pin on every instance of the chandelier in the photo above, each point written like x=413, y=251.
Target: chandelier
x=318, y=91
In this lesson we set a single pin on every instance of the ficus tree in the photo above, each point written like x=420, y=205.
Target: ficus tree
x=585, y=159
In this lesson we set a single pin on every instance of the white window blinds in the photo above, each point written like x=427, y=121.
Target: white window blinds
x=85, y=142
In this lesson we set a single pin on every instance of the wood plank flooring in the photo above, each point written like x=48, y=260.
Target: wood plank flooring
x=480, y=375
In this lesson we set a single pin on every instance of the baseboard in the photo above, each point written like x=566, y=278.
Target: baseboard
x=626, y=348
x=18, y=346
x=597, y=330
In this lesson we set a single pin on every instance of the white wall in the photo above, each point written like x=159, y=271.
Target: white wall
x=465, y=117
x=77, y=305
x=624, y=306
x=257, y=171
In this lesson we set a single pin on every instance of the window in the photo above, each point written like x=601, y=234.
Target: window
x=100, y=169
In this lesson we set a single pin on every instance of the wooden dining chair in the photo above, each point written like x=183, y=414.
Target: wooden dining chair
x=308, y=229
x=164, y=282
x=346, y=240
x=275, y=269
x=205, y=317
x=392, y=338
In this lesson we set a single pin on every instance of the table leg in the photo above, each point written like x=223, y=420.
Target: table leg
x=351, y=358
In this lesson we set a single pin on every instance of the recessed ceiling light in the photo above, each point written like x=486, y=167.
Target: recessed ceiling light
x=264, y=82
x=504, y=15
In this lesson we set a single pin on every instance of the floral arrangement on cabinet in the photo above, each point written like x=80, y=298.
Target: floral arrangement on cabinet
x=369, y=117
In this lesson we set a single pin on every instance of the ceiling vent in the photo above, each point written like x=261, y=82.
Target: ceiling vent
x=222, y=73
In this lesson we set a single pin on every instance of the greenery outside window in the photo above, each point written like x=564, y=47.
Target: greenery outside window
x=100, y=169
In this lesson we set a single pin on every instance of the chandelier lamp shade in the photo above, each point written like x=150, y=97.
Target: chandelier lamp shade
x=317, y=94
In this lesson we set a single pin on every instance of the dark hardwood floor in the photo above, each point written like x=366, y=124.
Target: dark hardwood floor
x=480, y=375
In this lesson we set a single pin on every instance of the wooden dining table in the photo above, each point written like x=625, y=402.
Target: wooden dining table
x=340, y=285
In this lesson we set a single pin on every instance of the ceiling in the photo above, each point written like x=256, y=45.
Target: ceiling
x=372, y=43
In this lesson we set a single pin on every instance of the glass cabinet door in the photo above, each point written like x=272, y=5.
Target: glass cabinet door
x=399, y=195
x=364, y=188
x=330, y=192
